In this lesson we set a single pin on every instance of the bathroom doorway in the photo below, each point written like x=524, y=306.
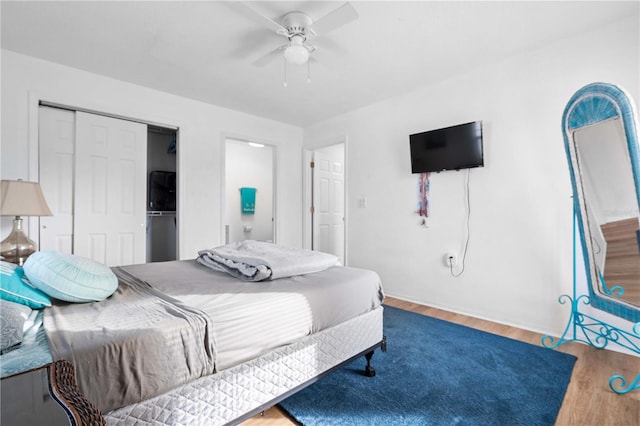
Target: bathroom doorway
x=249, y=191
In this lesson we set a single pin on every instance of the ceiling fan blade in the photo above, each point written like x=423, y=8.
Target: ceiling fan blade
x=269, y=57
x=334, y=19
x=257, y=17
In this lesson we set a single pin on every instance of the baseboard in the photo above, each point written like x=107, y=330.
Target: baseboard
x=474, y=315
x=612, y=347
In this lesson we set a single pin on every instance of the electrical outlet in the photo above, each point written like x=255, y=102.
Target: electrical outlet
x=451, y=259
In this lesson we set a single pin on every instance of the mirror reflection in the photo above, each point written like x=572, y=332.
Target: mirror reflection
x=611, y=206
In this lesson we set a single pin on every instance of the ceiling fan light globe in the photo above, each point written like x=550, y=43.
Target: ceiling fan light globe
x=296, y=54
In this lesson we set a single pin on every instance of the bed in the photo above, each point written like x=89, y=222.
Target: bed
x=258, y=342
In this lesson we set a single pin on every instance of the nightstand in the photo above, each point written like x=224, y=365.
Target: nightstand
x=46, y=396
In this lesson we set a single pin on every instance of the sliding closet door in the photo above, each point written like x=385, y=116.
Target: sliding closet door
x=110, y=189
x=56, y=150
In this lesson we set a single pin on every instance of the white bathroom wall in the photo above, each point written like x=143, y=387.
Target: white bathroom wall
x=247, y=166
x=519, y=257
x=25, y=80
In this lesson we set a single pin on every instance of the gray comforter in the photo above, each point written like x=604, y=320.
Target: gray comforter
x=119, y=347
x=251, y=260
x=252, y=318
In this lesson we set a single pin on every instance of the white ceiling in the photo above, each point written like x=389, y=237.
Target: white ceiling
x=204, y=50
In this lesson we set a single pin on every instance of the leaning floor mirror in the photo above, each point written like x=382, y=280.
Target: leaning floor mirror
x=601, y=143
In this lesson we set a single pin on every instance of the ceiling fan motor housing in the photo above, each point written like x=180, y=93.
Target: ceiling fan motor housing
x=297, y=23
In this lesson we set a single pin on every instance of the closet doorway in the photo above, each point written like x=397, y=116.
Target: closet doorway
x=93, y=172
x=249, y=191
x=162, y=225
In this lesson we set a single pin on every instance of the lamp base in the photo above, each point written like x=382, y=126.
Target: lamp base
x=17, y=247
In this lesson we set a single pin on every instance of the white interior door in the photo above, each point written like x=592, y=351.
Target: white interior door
x=110, y=189
x=56, y=134
x=328, y=224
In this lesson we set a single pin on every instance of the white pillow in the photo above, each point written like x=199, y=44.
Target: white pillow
x=70, y=278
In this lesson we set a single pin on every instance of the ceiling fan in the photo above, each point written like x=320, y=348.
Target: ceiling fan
x=298, y=28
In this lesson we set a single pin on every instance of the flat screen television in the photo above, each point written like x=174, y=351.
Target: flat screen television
x=451, y=148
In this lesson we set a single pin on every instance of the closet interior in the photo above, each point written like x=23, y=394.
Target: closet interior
x=161, y=189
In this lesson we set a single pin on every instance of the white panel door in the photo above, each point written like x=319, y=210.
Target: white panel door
x=56, y=135
x=110, y=190
x=329, y=201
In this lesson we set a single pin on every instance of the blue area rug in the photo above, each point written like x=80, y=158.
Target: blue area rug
x=439, y=373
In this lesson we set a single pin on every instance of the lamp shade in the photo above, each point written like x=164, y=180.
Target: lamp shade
x=20, y=198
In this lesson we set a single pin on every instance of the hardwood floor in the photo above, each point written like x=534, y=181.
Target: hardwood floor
x=588, y=401
x=622, y=263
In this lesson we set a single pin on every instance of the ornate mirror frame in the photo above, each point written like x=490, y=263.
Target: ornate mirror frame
x=593, y=104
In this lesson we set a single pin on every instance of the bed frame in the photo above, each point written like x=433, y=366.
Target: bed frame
x=238, y=393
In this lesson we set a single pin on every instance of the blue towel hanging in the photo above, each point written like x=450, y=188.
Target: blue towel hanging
x=248, y=200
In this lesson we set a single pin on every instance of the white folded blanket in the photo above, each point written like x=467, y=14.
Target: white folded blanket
x=257, y=260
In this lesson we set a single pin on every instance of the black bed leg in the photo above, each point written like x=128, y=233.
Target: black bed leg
x=369, y=371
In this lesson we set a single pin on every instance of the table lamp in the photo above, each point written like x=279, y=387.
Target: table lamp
x=19, y=198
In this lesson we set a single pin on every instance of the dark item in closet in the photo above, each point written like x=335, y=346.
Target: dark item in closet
x=162, y=191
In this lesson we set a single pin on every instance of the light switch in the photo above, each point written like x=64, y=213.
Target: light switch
x=362, y=203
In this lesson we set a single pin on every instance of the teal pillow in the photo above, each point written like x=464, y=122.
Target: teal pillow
x=70, y=278
x=14, y=287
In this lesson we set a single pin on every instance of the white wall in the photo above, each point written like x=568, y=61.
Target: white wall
x=247, y=166
x=519, y=259
x=25, y=80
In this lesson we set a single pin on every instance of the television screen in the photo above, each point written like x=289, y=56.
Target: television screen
x=451, y=148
